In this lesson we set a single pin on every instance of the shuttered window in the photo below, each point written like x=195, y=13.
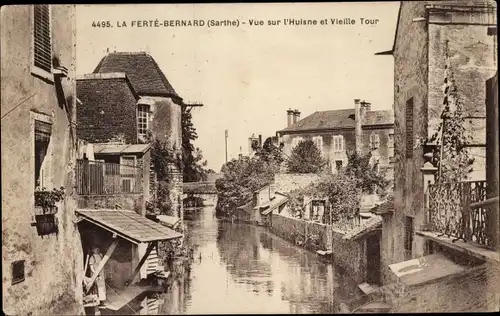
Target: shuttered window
x=43, y=132
x=42, y=37
x=409, y=128
x=408, y=241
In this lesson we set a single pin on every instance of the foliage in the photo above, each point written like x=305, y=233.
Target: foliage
x=367, y=177
x=45, y=198
x=194, y=165
x=241, y=177
x=270, y=153
x=342, y=192
x=163, y=158
x=451, y=136
x=296, y=202
x=305, y=158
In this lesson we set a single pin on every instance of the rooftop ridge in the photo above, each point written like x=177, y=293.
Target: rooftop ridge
x=102, y=75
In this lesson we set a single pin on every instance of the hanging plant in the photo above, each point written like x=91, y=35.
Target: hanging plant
x=450, y=154
x=47, y=199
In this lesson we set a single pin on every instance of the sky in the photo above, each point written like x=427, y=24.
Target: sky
x=247, y=76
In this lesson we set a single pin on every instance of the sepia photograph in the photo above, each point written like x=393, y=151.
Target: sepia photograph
x=250, y=158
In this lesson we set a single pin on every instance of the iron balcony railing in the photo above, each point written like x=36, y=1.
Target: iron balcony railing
x=461, y=210
x=102, y=178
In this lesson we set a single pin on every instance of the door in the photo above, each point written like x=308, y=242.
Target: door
x=373, y=259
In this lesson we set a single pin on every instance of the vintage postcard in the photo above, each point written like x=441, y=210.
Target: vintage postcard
x=259, y=158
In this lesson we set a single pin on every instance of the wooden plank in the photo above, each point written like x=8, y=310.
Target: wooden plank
x=141, y=262
x=108, y=254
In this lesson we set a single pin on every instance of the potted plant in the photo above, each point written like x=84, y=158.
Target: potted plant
x=46, y=199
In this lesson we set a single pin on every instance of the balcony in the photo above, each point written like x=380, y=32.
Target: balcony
x=95, y=178
x=461, y=211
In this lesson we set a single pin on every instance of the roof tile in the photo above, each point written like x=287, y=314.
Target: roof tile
x=143, y=71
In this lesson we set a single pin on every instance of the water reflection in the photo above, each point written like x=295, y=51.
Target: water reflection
x=241, y=268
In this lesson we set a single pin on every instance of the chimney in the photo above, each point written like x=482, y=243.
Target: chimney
x=296, y=116
x=358, y=121
x=260, y=141
x=289, y=117
x=367, y=106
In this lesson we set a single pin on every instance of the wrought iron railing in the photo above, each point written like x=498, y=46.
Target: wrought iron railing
x=455, y=211
x=102, y=178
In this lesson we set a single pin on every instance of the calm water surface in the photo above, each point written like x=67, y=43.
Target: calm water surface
x=241, y=268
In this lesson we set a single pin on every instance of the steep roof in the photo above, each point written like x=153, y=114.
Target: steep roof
x=339, y=119
x=373, y=224
x=142, y=70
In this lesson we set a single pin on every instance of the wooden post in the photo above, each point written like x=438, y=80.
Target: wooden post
x=108, y=254
x=141, y=262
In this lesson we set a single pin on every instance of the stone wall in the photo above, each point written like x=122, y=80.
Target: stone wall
x=464, y=292
x=286, y=182
x=349, y=255
x=53, y=264
x=132, y=202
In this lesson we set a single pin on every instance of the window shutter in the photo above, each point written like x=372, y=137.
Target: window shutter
x=42, y=40
x=408, y=241
x=409, y=128
x=42, y=131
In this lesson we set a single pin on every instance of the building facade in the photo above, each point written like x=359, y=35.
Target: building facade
x=42, y=269
x=427, y=32
x=338, y=132
x=127, y=98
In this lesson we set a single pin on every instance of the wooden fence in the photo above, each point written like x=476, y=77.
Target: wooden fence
x=102, y=178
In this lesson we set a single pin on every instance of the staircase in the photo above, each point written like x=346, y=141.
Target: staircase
x=153, y=263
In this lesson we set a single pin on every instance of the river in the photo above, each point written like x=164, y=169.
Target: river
x=241, y=268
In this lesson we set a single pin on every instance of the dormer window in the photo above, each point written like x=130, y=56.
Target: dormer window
x=42, y=41
x=143, y=111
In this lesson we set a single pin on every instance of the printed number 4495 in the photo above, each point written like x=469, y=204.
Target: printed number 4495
x=101, y=24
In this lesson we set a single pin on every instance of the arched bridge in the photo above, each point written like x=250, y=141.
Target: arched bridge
x=205, y=190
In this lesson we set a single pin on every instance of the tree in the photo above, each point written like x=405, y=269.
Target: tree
x=241, y=177
x=305, y=158
x=194, y=165
x=368, y=178
x=269, y=153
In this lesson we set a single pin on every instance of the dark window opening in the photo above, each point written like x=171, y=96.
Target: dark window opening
x=409, y=128
x=42, y=139
x=338, y=164
x=42, y=37
x=17, y=271
x=408, y=237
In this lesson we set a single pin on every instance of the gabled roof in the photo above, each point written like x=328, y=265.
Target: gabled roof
x=143, y=71
x=373, y=224
x=384, y=208
x=339, y=119
x=113, y=149
x=128, y=225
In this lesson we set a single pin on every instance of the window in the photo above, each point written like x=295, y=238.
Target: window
x=374, y=141
x=296, y=141
x=409, y=128
x=143, y=119
x=318, y=141
x=408, y=237
x=43, y=131
x=338, y=165
x=17, y=271
x=42, y=38
x=338, y=143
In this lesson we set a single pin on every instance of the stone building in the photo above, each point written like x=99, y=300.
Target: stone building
x=126, y=97
x=41, y=264
x=425, y=31
x=337, y=132
x=440, y=271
